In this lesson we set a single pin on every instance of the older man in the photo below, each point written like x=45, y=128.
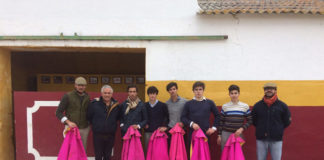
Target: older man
x=270, y=117
x=103, y=114
x=73, y=107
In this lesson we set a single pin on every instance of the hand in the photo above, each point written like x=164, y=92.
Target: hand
x=135, y=126
x=210, y=131
x=219, y=140
x=195, y=126
x=70, y=124
x=239, y=132
x=181, y=124
x=146, y=126
x=163, y=129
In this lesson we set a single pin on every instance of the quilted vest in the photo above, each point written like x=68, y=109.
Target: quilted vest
x=77, y=110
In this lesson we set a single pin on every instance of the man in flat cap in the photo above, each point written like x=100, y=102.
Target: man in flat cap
x=270, y=117
x=72, y=110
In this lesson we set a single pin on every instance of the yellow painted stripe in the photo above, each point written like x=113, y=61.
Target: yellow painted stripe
x=294, y=93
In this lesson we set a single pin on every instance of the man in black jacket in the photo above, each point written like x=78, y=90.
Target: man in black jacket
x=270, y=117
x=103, y=114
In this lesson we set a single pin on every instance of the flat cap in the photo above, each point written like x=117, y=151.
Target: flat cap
x=81, y=81
x=270, y=85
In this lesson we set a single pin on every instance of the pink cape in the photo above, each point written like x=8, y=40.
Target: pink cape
x=177, y=147
x=199, y=146
x=72, y=147
x=158, y=146
x=232, y=149
x=132, y=146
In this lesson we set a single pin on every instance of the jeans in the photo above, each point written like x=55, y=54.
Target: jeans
x=263, y=146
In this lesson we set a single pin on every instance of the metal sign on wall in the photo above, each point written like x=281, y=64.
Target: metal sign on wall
x=38, y=133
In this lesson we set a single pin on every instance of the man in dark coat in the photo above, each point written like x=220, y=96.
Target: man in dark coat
x=270, y=117
x=103, y=114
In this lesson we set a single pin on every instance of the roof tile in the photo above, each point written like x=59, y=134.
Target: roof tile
x=261, y=6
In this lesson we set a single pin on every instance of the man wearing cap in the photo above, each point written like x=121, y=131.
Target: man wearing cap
x=270, y=117
x=72, y=110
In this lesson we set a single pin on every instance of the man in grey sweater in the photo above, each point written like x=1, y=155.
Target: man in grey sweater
x=175, y=105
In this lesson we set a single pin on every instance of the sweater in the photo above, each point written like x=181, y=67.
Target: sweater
x=175, y=110
x=270, y=122
x=232, y=117
x=158, y=116
x=199, y=112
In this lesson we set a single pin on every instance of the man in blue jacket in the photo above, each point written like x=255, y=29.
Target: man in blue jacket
x=270, y=117
x=103, y=114
x=133, y=111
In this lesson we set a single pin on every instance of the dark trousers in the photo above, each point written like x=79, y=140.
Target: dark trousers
x=103, y=144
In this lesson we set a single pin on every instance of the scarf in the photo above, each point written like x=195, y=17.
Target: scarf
x=270, y=101
x=131, y=104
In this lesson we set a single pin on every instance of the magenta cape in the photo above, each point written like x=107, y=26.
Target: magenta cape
x=72, y=147
x=199, y=146
x=232, y=149
x=158, y=146
x=132, y=147
x=177, y=147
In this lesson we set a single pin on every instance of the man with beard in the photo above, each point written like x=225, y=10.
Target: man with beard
x=270, y=117
x=72, y=110
x=133, y=111
x=103, y=114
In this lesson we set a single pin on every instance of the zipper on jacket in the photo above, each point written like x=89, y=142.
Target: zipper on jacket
x=268, y=121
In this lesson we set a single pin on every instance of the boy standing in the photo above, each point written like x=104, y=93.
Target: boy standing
x=158, y=115
x=196, y=112
x=232, y=117
x=175, y=104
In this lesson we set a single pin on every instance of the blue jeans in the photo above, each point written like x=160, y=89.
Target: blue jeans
x=263, y=146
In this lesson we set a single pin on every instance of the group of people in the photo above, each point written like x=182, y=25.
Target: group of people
x=270, y=116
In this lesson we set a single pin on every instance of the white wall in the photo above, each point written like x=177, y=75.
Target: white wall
x=260, y=47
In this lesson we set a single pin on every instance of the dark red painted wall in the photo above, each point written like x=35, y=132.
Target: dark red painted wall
x=303, y=139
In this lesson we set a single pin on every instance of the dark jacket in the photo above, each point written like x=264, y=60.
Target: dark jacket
x=134, y=116
x=158, y=116
x=74, y=107
x=270, y=122
x=103, y=118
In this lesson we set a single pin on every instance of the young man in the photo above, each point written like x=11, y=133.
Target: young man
x=196, y=112
x=175, y=104
x=72, y=110
x=158, y=115
x=270, y=117
x=133, y=111
x=103, y=115
x=232, y=117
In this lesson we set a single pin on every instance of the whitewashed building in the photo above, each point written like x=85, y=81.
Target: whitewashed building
x=220, y=42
